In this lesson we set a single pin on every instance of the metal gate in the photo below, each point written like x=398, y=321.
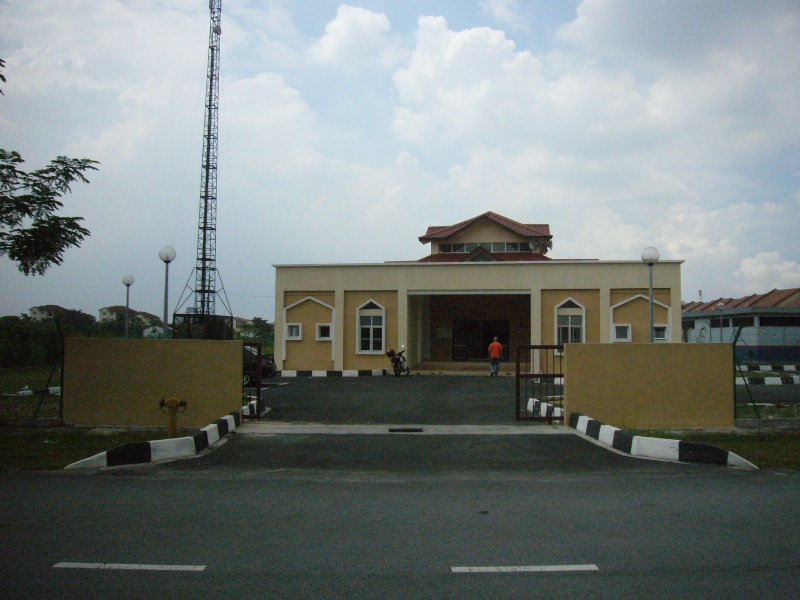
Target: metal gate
x=540, y=383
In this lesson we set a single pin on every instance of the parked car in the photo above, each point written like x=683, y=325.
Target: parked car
x=250, y=366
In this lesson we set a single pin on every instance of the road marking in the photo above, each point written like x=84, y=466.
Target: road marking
x=525, y=569
x=127, y=567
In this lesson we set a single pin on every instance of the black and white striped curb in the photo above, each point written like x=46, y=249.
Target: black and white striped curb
x=769, y=380
x=662, y=449
x=156, y=450
x=773, y=368
x=345, y=373
x=777, y=375
x=250, y=410
x=537, y=408
x=53, y=391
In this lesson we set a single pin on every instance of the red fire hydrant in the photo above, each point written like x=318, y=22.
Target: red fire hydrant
x=174, y=406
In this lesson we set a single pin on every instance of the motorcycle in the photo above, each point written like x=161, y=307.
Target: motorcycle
x=399, y=363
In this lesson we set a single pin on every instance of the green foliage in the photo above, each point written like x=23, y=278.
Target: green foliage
x=31, y=234
x=259, y=330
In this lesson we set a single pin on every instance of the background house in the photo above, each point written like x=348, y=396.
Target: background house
x=770, y=324
x=487, y=276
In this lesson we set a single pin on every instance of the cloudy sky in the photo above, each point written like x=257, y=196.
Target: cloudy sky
x=347, y=129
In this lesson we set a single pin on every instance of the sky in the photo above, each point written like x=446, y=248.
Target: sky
x=346, y=129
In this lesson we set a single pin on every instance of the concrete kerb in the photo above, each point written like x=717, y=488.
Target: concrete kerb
x=657, y=448
x=345, y=373
x=160, y=450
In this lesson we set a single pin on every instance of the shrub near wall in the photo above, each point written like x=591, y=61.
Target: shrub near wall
x=112, y=382
x=651, y=386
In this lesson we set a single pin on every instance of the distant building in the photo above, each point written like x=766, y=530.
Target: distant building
x=770, y=324
x=51, y=311
x=114, y=313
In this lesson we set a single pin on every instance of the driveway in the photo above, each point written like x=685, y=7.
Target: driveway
x=417, y=399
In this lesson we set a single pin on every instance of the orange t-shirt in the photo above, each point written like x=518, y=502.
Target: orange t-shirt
x=495, y=350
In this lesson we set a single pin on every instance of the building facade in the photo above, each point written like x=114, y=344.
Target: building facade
x=765, y=327
x=485, y=277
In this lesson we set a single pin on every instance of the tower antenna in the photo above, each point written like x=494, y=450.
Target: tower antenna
x=202, y=321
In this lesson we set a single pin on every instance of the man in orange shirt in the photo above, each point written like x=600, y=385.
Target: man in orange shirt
x=495, y=353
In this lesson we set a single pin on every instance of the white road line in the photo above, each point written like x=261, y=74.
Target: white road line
x=127, y=567
x=525, y=569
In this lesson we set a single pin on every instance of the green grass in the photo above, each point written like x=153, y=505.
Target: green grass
x=766, y=450
x=29, y=448
x=13, y=380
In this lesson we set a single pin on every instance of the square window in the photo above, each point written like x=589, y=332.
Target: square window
x=659, y=333
x=622, y=333
x=323, y=331
x=294, y=331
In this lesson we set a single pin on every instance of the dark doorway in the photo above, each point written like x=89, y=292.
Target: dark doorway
x=471, y=338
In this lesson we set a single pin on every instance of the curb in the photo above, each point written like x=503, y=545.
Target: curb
x=658, y=448
x=543, y=409
x=769, y=380
x=158, y=450
x=346, y=373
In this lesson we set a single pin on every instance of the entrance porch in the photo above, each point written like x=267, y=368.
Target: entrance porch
x=452, y=331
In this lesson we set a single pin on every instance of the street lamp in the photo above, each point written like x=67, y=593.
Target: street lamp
x=650, y=257
x=720, y=308
x=167, y=254
x=127, y=281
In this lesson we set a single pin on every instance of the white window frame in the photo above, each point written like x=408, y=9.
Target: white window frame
x=320, y=337
x=667, y=326
x=656, y=327
x=569, y=312
x=628, y=335
x=294, y=338
x=371, y=312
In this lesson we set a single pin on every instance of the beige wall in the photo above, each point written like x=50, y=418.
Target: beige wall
x=352, y=301
x=651, y=386
x=309, y=353
x=111, y=382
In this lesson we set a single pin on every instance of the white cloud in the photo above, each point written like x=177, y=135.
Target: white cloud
x=505, y=11
x=768, y=270
x=357, y=37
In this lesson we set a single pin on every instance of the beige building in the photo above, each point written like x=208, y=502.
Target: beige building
x=487, y=276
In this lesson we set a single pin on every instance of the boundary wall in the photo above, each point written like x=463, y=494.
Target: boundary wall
x=651, y=386
x=119, y=383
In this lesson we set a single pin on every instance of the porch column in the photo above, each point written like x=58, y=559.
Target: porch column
x=338, y=329
x=605, y=314
x=536, y=316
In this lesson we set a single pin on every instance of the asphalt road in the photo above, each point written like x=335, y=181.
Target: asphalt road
x=649, y=529
x=538, y=513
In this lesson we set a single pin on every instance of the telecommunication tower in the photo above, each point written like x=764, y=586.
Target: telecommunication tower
x=202, y=321
x=205, y=290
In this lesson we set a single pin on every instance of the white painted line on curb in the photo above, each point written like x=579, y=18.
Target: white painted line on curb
x=128, y=567
x=526, y=569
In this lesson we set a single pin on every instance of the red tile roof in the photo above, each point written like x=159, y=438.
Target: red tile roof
x=442, y=232
x=775, y=299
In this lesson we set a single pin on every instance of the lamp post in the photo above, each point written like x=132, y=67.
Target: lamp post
x=166, y=254
x=720, y=307
x=650, y=257
x=127, y=281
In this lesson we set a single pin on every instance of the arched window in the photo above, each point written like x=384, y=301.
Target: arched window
x=371, y=328
x=570, y=323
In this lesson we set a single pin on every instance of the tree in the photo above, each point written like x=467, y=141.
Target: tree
x=31, y=234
